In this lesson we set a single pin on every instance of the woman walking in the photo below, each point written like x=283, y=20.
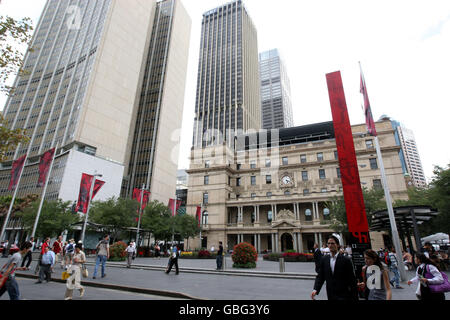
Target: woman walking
x=426, y=274
x=73, y=282
x=131, y=251
x=375, y=278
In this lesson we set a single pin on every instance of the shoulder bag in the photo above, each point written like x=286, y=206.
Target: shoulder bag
x=438, y=288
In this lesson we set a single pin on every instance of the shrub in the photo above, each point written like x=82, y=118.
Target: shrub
x=244, y=256
x=204, y=254
x=117, y=251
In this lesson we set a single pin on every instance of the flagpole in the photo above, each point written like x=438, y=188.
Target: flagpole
x=201, y=222
x=13, y=199
x=43, y=194
x=89, y=206
x=139, y=220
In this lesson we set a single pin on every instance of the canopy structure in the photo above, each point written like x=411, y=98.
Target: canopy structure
x=406, y=218
x=437, y=237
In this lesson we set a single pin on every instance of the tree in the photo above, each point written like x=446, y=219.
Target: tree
x=373, y=201
x=186, y=226
x=9, y=139
x=114, y=214
x=12, y=33
x=55, y=217
x=157, y=219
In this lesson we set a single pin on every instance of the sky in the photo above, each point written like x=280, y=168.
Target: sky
x=403, y=47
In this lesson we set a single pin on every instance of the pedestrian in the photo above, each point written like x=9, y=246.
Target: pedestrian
x=102, y=255
x=219, y=258
x=317, y=256
x=426, y=274
x=337, y=271
x=57, y=249
x=131, y=251
x=173, y=260
x=375, y=278
x=75, y=268
x=157, y=251
x=348, y=251
x=28, y=256
x=5, y=249
x=407, y=260
x=69, y=250
x=47, y=262
x=10, y=268
x=393, y=267
x=212, y=249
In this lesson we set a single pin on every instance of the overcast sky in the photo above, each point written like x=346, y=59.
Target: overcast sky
x=403, y=47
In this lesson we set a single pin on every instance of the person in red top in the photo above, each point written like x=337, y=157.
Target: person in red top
x=45, y=244
x=57, y=249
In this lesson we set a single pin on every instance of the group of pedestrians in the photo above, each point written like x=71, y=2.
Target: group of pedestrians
x=337, y=270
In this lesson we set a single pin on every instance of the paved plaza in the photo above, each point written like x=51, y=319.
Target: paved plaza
x=198, y=279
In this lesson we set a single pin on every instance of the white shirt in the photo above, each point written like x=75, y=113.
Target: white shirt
x=437, y=276
x=333, y=261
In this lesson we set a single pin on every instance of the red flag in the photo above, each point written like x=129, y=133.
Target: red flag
x=171, y=204
x=85, y=188
x=15, y=171
x=44, y=166
x=199, y=214
x=146, y=198
x=370, y=124
x=137, y=196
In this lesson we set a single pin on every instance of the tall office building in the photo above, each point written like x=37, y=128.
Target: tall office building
x=412, y=158
x=228, y=97
x=276, y=106
x=82, y=92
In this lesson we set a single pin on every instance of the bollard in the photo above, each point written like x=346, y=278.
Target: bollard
x=281, y=264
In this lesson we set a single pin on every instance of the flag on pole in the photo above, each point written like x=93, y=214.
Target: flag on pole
x=137, y=196
x=370, y=124
x=171, y=205
x=85, y=188
x=44, y=166
x=16, y=169
x=199, y=215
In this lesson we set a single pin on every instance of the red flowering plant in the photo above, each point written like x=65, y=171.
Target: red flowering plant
x=204, y=254
x=244, y=256
x=117, y=251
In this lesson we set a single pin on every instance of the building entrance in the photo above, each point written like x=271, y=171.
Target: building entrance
x=287, y=242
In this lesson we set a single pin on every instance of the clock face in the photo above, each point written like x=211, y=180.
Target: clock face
x=286, y=179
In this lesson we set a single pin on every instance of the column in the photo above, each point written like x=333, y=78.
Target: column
x=313, y=210
x=316, y=239
x=275, y=212
x=320, y=240
x=276, y=240
x=257, y=213
x=259, y=242
x=300, y=242
x=294, y=239
x=273, y=242
x=240, y=213
x=297, y=206
x=255, y=241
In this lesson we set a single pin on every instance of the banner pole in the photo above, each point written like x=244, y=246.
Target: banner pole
x=139, y=219
x=89, y=205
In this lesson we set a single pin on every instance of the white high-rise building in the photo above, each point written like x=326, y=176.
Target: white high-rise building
x=276, y=106
x=412, y=158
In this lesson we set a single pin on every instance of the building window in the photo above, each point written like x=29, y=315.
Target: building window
x=377, y=184
x=320, y=156
x=287, y=192
x=304, y=175
x=268, y=179
x=205, y=217
x=326, y=214
x=253, y=180
x=252, y=164
x=238, y=166
x=205, y=198
x=237, y=196
x=285, y=160
x=229, y=180
x=253, y=195
x=323, y=190
x=305, y=191
x=336, y=155
x=269, y=194
x=373, y=163
x=338, y=171
x=206, y=163
x=322, y=173
x=308, y=216
x=303, y=158
x=268, y=164
x=369, y=144
x=206, y=180
x=238, y=182
x=269, y=216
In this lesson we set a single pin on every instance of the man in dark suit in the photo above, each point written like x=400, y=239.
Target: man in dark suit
x=317, y=256
x=337, y=270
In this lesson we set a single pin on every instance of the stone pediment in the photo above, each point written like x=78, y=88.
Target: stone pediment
x=285, y=215
x=284, y=224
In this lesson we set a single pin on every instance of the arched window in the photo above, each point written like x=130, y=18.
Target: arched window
x=326, y=214
x=269, y=216
x=308, y=215
x=205, y=217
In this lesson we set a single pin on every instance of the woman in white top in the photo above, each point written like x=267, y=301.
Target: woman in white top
x=74, y=281
x=131, y=251
x=425, y=266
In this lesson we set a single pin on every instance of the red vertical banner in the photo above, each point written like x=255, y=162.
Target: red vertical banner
x=146, y=198
x=16, y=169
x=85, y=188
x=353, y=197
x=44, y=166
x=199, y=214
x=136, y=194
x=172, y=204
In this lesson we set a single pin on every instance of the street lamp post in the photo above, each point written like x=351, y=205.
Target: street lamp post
x=89, y=205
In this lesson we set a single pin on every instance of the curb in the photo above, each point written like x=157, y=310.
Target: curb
x=172, y=294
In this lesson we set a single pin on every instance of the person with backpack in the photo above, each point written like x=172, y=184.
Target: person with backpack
x=427, y=274
x=102, y=255
x=69, y=250
x=393, y=267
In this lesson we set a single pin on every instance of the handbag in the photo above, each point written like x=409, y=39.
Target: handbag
x=65, y=275
x=438, y=288
x=84, y=271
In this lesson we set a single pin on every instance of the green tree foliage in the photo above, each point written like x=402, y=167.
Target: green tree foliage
x=158, y=220
x=9, y=139
x=373, y=201
x=186, y=226
x=114, y=214
x=55, y=217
